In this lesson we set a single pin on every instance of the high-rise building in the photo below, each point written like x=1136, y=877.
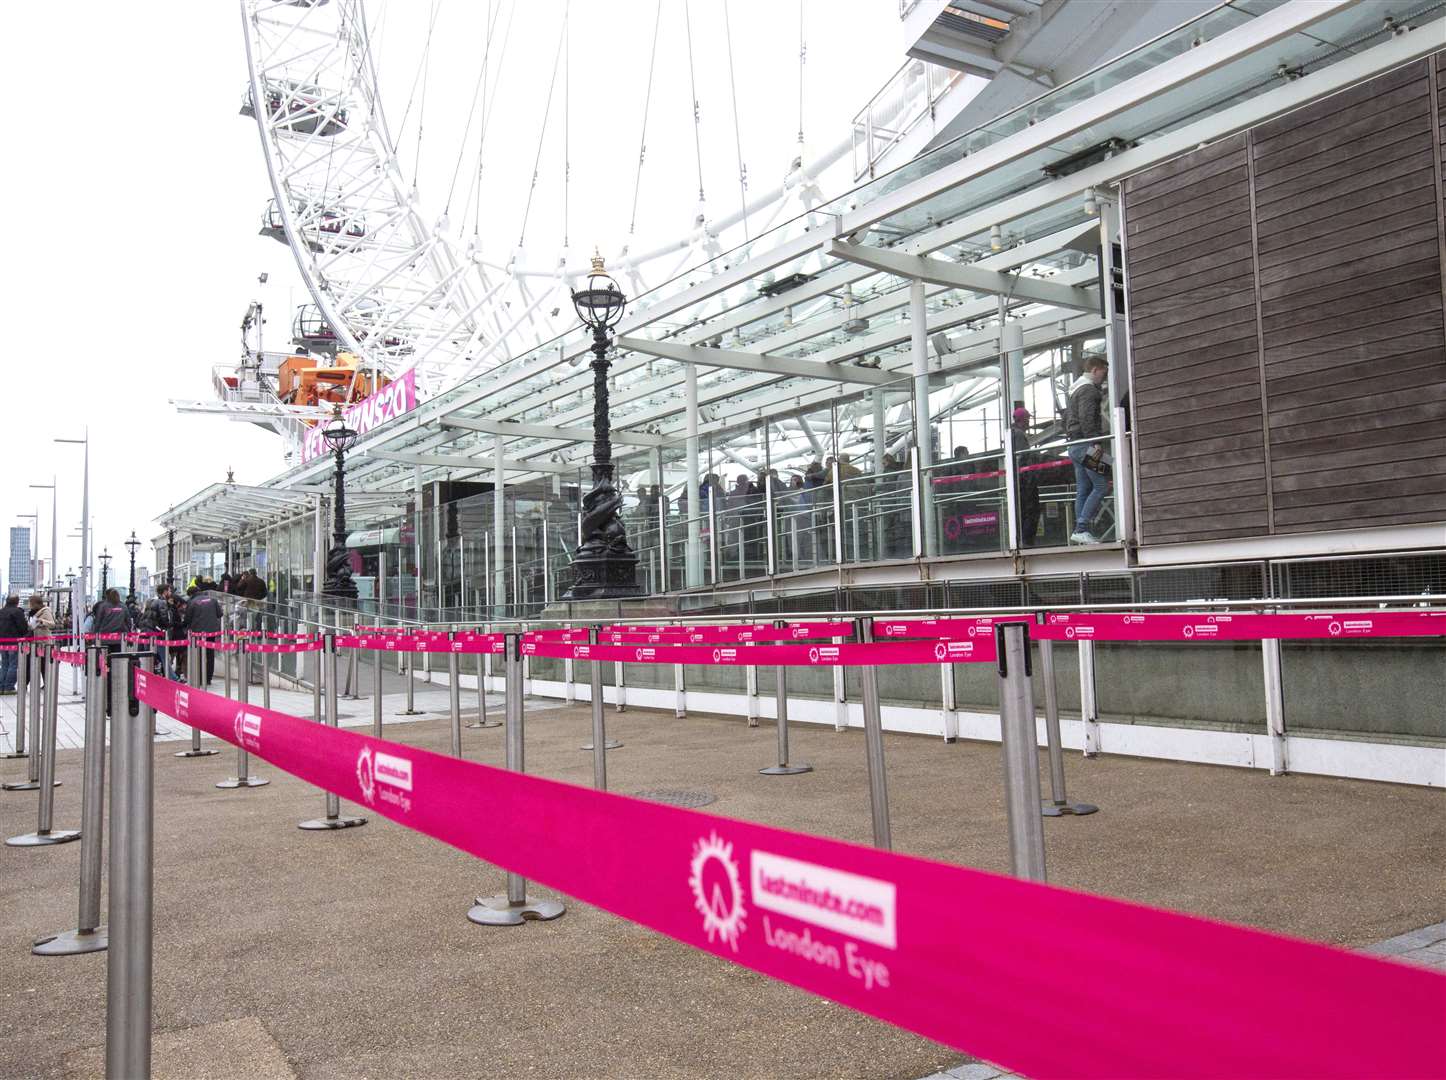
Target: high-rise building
x=21, y=575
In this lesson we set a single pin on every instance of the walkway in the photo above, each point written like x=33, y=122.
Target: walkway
x=284, y=953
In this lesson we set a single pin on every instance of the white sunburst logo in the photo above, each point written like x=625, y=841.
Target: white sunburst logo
x=717, y=890
x=365, y=777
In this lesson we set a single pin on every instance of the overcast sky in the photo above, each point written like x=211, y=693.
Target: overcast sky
x=136, y=190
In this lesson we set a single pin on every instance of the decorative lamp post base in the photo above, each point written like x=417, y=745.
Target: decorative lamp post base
x=610, y=577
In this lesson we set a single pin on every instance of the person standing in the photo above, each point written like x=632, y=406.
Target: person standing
x=1026, y=483
x=12, y=625
x=1085, y=429
x=42, y=624
x=157, y=618
x=204, y=616
x=110, y=619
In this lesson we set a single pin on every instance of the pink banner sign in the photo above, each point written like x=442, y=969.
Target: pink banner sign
x=1241, y=627
x=980, y=650
x=973, y=960
x=391, y=401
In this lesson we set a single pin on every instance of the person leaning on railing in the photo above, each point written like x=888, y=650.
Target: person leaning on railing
x=1085, y=420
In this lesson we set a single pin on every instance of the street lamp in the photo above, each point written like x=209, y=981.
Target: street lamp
x=605, y=567
x=54, y=542
x=132, y=544
x=338, y=563
x=171, y=557
x=104, y=571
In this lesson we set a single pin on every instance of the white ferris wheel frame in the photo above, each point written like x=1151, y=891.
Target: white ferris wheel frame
x=412, y=293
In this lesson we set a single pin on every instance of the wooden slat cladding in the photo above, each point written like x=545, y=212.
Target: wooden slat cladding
x=1357, y=179
x=1195, y=346
x=1288, y=320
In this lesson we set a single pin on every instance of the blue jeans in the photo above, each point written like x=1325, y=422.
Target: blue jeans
x=1090, y=489
x=8, y=667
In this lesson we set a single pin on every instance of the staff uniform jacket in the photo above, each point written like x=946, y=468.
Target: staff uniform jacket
x=203, y=614
x=108, y=618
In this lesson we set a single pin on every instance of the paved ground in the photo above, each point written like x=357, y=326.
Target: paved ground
x=281, y=952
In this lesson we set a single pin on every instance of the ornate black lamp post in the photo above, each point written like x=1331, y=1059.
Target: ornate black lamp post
x=104, y=571
x=605, y=566
x=338, y=564
x=171, y=557
x=131, y=545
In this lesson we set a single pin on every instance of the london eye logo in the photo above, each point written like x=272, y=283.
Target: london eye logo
x=365, y=777
x=717, y=890
x=941, y=651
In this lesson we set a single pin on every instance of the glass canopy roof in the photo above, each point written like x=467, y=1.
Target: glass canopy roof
x=731, y=302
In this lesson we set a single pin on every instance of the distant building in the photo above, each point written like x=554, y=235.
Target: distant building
x=143, y=582
x=22, y=571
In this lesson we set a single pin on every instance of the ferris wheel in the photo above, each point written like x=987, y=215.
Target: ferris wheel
x=403, y=287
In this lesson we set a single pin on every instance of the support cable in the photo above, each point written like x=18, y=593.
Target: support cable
x=417, y=78
x=541, y=136
x=566, y=120
x=489, y=100
x=737, y=133
x=647, y=101
x=693, y=85
x=472, y=111
x=802, y=59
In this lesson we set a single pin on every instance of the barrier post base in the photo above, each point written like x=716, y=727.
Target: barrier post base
x=24, y=785
x=497, y=911
x=44, y=839
x=1051, y=808
x=785, y=770
x=196, y=753
x=72, y=943
x=610, y=744
x=323, y=824
x=409, y=712
x=15, y=754
x=243, y=781
x=484, y=724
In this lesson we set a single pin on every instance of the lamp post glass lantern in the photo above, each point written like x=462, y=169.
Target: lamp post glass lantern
x=605, y=567
x=104, y=570
x=132, y=544
x=338, y=561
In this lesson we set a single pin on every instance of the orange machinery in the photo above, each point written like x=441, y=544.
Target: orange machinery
x=299, y=381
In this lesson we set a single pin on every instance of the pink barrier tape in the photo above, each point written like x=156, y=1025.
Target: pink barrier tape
x=849, y=655
x=1243, y=627
x=992, y=474
x=946, y=629
x=467, y=643
x=572, y=635
x=1159, y=993
x=717, y=635
x=76, y=659
x=218, y=646
x=289, y=647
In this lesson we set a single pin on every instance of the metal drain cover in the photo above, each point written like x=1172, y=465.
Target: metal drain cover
x=675, y=797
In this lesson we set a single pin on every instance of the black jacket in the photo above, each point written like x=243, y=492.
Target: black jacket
x=13, y=623
x=110, y=618
x=203, y=614
x=157, y=615
x=1083, y=419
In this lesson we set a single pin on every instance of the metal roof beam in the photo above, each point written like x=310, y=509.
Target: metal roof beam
x=544, y=431
x=959, y=276
x=781, y=366
x=473, y=464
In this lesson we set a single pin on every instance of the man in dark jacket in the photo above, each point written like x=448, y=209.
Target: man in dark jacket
x=204, y=616
x=157, y=618
x=109, y=618
x=1085, y=428
x=12, y=625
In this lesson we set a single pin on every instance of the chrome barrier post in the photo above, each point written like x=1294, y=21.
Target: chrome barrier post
x=482, y=666
x=353, y=674
x=1089, y=709
x=265, y=676
x=132, y=816
x=411, y=669
x=1020, y=750
x=377, y=693
x=44, y=835
x=22, y=694
x=597, y=703
x=33, y=709
x=89, y=934
x=194, y=666
x=780, y=701
x=1274, y=706
x=454, y=694
x=1058, y=803
x=620, y=687
x=515, y=907
x=874, y=745
x=599, y=743
x=243, y=777
x=326, y=660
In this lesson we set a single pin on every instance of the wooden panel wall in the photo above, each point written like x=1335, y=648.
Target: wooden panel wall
x=1288, y=320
